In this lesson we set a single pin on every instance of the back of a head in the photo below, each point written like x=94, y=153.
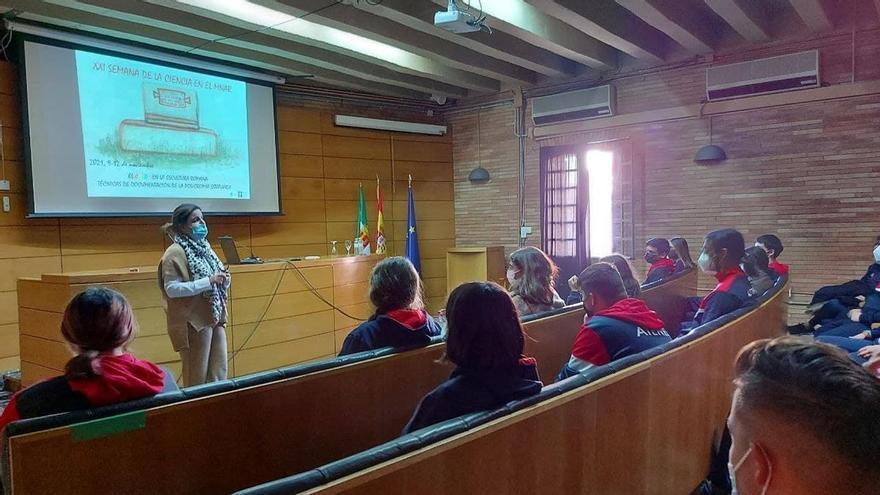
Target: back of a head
x=755, y=262
x=97, y=320
x=816, y=389
x=681, y=248
x=771, y=242
x=483, y=327
x=660, y=244
x=395, y=284
x=603, y=280
x=732, y=241
x=625, y=271
x=537, y=275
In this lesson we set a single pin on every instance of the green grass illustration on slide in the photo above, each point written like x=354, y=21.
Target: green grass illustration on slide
x=226, y=156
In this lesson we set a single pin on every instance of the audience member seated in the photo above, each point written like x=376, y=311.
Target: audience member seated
x=773, y=247
x=616, y=325
x=400, y=319
x=722, y=251
x=532, y=276
x=98, y=324
x=680, y=254
x=871, y=355
x=836, y=319
x=855, y=344
x=485, y=341
x=657, y=257
x=803, y=421
x=756, y=265
x=850, y=293
x=633, y=289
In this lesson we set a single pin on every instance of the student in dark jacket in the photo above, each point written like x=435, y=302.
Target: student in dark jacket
x=98, y=324
x=616, y=326
x=841, y=321
x=772, y=245
x=722, y=251
x=849, y=293
x=756, y=265
x=400, y=319
x=680, y=254
x=485, y=341
x=657, y=257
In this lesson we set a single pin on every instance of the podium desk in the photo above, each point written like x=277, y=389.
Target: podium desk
x=278, y=313
x=475, y=264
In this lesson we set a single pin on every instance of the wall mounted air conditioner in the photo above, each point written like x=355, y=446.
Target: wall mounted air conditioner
x=573, y=105
x=766, y=75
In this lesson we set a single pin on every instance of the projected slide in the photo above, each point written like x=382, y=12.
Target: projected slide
x=157, y=132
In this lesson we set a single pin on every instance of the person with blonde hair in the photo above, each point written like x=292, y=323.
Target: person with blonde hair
x=532, y=276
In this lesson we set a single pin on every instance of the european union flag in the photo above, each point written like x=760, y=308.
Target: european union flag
x=412, y=237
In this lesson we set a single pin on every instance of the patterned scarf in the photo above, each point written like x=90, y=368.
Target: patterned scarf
x=203, y=262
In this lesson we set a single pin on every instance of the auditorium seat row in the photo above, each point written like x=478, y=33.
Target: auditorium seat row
x=493, y=449
x=261, y=426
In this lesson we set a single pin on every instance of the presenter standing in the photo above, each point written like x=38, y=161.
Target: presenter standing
x=195, y=287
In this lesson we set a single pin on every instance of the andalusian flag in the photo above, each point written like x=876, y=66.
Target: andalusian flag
x=362, y=237
x=380, y=222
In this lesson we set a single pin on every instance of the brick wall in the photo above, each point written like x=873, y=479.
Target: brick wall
x=808, y=171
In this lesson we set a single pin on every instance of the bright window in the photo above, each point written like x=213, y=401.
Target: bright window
x=601, y=181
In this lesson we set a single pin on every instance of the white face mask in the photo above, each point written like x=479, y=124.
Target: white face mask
x=732, y=469
x=877, y=254
x=705, y=263
x=511, y=276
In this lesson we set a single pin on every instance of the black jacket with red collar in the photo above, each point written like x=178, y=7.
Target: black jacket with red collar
x=660, y=269
x=731, y=293
x=397, y=328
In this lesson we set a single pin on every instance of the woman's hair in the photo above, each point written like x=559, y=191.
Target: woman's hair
x=395, y=284
x=179, y=218
x=483, y=327
x=538, y=275
x=681, y=248
x=633, y=289
x=756, y=262
x=96, y=321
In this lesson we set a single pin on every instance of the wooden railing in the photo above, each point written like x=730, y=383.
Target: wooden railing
x=245, y=436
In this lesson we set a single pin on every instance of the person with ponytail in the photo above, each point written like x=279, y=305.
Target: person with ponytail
x=195, y=290
x=98, y=325
x=400, y=319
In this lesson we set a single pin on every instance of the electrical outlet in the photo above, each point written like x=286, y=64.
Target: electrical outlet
x=524, y=231
x=4, y=185
x=6, y=206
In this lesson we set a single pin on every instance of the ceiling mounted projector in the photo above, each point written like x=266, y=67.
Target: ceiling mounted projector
x=458, y=21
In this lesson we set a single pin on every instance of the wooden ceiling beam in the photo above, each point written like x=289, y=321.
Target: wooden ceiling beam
x=677, y=21
x=744, y=16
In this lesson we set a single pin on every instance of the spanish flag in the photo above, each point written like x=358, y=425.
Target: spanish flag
x=380, y=222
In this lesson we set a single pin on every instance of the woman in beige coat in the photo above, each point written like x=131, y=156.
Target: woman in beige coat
x=194, y=286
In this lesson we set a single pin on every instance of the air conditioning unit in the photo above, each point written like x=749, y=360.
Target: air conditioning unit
x=766, y=75
x=574, y=105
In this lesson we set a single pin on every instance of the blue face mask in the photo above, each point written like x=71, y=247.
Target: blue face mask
x=200, y=231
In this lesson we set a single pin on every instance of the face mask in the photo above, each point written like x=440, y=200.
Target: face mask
x=705, y=263
x=732, y=469
x=877, y=254
x=511, y=276
x=200, y=231
x=651, y=258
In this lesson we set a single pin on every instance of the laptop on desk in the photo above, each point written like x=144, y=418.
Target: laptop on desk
x=231, y=253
